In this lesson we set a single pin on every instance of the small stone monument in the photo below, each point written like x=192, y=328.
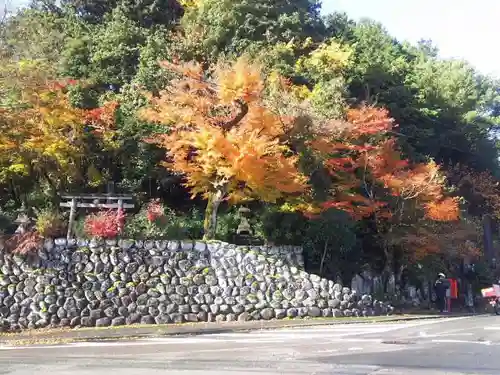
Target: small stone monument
x=23, y=221
x=244, y=228
x=244, y=233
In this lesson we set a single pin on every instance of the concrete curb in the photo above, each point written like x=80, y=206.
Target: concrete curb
x=142, y=332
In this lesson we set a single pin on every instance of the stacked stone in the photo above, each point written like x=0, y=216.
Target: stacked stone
x=81, y=283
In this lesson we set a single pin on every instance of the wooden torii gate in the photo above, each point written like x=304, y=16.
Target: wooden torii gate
x=109, y=201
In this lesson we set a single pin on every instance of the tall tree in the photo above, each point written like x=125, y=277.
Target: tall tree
x=372, y=180
x=223, y=139
x=232, y=27
x=115, y=50
x=43, y=138
x=146, y=13
x=33, y=34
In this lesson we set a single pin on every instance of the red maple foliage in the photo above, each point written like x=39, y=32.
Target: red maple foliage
x=59, y=85
x=362, y=157
x=24, y=243
x=102, y=119
x=105, y=224
x=154, y=211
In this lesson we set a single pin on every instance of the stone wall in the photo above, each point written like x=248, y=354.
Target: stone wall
x=84, y=283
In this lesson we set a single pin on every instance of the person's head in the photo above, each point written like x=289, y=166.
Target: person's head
x=441, y=276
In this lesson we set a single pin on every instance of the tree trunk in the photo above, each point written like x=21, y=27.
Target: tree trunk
x=53, y=188
x=210, y=223
x=323, y=259
x=398, y=275
x=388, y=268
x=13, y=191
x=488, y=239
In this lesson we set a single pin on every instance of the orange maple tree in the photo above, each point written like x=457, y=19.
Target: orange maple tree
x=44, y=135
x=366, y=166
x=371, y=178
x=222, y=138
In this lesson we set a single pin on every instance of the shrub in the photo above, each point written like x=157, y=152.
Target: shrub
x=7, y=224
x=149, y=222
x=188, y=225
x=155, y=211
x=227, y=224
x=157, y=221
x=24, y=244
x=50, y=223
x=284, y=228
x=105, y=224
x=79, y=228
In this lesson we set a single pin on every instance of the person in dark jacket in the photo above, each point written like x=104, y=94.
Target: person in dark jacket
x=440, y=287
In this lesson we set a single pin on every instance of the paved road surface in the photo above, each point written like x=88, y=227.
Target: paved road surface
x=453, y=346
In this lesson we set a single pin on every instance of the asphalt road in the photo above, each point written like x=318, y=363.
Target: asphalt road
x=451, y=346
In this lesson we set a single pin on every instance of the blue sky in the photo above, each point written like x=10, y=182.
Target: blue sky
x=461, y=28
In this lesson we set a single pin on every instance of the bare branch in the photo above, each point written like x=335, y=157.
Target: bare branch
x=243, y=111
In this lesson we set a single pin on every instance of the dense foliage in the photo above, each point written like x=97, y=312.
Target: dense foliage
x=368, y=151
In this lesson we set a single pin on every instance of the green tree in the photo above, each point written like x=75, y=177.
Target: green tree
x=33, y=34
x=340, y=26
x=452, y=113
x=145, y=13
x=232, y=27
x=156, y=49
x=115, y=50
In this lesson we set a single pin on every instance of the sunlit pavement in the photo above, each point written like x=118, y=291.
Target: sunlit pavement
x=451, y=346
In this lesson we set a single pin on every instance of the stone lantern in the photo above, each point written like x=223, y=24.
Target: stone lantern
x=244, y=228
x=23, y=221
x=244, y=232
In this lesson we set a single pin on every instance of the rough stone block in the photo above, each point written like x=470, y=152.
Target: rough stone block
x=96, y=283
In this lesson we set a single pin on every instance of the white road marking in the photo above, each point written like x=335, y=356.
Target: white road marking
x=456, y=332
x=463, y=342
x=354, y=348
x=492, y=328
x=442, y=334
x=81, y=345
x=321, y=334
x=437, y=321
x=244, y=348
x=327, y=351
